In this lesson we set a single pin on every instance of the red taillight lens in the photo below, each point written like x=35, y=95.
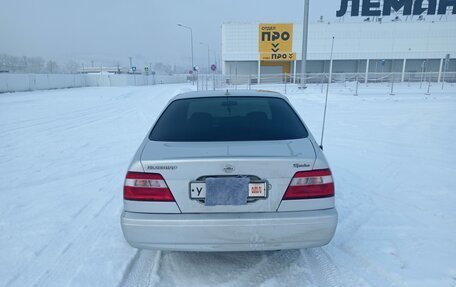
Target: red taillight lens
x=146, y=187
x=310, y=184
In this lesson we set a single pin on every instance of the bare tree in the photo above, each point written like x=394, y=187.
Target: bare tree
x=71, y=67
x=52, y=67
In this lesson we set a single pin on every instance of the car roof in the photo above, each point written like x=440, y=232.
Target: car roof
x=229, y=93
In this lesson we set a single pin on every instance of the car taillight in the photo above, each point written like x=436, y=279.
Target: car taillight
x=146, y=187
x=310, y=184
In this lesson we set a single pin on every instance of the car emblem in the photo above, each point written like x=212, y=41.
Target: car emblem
x=228, y=168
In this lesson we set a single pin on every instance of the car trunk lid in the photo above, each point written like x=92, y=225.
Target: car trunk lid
x=272, y=162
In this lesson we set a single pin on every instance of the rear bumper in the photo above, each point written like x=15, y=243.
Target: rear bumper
x=229, y=232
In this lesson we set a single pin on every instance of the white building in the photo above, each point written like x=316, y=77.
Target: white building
x=367, y=47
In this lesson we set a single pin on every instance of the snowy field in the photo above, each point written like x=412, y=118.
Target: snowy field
x=64, y=154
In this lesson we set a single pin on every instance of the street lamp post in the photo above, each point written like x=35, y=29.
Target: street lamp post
x=191, y=43
x=208, y=56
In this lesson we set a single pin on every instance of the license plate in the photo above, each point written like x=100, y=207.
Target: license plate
x=256, y=190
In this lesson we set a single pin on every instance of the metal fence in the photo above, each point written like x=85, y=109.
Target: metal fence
x=217, y=81
x=10, y=82
x=30, y=82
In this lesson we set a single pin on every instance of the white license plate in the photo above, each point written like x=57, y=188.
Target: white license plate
x=256, y=190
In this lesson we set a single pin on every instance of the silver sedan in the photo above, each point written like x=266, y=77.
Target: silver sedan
x=229, y=171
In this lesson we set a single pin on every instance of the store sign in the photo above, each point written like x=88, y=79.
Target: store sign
x=385, y=7
x=278, y=56
x=276, y=42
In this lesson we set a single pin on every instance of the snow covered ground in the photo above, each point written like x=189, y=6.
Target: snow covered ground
x=64, y=153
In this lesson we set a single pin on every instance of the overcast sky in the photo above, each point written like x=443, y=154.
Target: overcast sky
x=111, y=30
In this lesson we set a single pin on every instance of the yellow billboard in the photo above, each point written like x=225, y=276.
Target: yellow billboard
x=276, y=42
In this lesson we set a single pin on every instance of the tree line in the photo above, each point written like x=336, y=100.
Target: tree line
x=14, y=64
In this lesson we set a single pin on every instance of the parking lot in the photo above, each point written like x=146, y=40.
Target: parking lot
x=64, y=154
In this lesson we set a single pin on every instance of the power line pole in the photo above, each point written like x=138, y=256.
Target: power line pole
x=305, y=30
x=208, y=57
x=191, y=44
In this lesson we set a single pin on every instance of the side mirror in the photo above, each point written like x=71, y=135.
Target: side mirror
x=321, y=147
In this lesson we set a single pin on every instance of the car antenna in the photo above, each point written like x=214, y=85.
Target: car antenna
x=327, y=89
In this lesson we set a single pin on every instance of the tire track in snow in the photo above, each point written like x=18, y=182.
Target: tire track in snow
x=229, y=268
x=363, y=271
x=306, y=267
x=61, y=252
x=143, y=270
x=129, y=268
x=61, y=120
x=87, y=114
x=74, y=250
x=362, y=268
x=322, y=270
x=57, y=260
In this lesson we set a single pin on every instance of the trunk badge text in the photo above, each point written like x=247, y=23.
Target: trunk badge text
x=299, y=165
x=228, y=168
x=162, y=167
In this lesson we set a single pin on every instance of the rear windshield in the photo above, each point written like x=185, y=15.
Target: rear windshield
x=228, y=119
